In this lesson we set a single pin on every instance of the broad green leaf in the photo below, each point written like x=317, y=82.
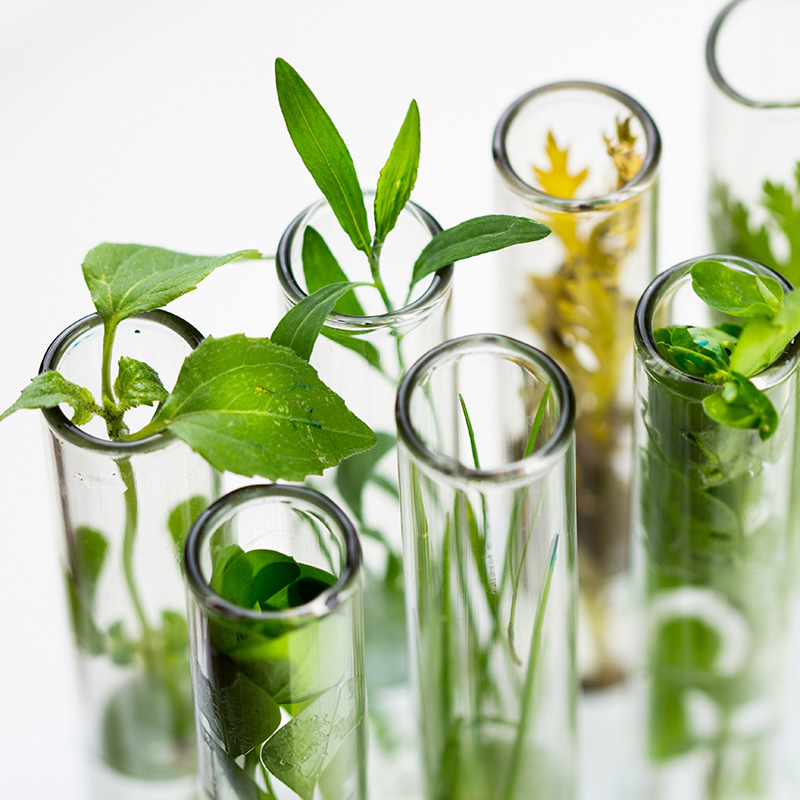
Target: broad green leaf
x=255, y=408
x=398, y=176
x=147, y=716
x=49, y=389
x=239, y=712
x=256, y=575
x=741, y=405
x=475, y=237
x=137, y=384
x=301, y=324
x=126, y=279
x=87, y=556
x=692, y=362
x=301, y=750
x=763, y=340
x=698, y=342
x=321, y=268
x=354, y=473
x=323, y=152
x=740, y=294
x=181, y=518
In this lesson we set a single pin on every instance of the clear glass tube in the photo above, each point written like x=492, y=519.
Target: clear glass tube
x=363, y=358
x=583, y=158
x=753, y=140
x=711, y=531
x=279, y=683
x=490, y=568
x=126, y=508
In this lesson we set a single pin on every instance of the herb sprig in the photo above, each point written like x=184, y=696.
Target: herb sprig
x=254, y=406
x=729, y=354
x=327, y=158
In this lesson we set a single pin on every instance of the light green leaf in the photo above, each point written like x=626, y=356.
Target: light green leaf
x=398, y=176
x=255, y=408
x=475, y=237
x=323, y=152
x=356, y=472
x=181, y=518
x=763, y=340
x=86, y=559
x=49, y=389
x=742, y=405
x=358, y=345
x=740, y=294
x=239, y=712
x=137, y=384
x=321, y=268
x=300, y=751
x=126, y=279
x=302, y=323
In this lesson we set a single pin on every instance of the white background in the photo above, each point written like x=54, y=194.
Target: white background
x=156, y=122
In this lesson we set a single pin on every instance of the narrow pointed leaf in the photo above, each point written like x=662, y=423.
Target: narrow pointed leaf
x=126, y=279
x=475, y=237
x=321, y=268
x=323, y=152
x=398, y=176
x=302, y=323
x=253, y=407
x=49, y=389
x=137, y=384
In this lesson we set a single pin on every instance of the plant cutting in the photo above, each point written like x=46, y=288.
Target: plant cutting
x=277, y=646
x=403, y=258
x=485, y=425
x=582, y=157
x=714, y=440
x=130, y=491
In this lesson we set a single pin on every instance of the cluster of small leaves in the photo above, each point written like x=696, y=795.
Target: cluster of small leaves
x=729, y=354
x=327, y=158
x=251, y=406
x=264, y=667
x=734, y=231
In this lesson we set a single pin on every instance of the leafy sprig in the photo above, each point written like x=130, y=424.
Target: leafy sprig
x=729, y=354
x=327, y=158
x=252, y=406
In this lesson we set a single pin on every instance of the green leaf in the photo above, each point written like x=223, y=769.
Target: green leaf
x=256, y=408
x=301, y=750
x=360, y=346
x=126, y=279
x=182, y=517
x=49, y=389
x=742, y=405
x=137, y=384
x=740, y=294
x=302, y=323
x=763, y=340
x=321, y=268
x=323, y=152
x=87, y=556
x=354, y=473
x=785, y=210
x=253, y=576
x=398, y=176
x=475, y=237
x=239, y=712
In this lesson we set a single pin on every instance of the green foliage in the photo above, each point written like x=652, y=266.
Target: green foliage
x=254, y=407
x=328, y=160
x=49, y=389
x=137, y=384
x=734, y=232
x=260, y=669
x=728, y=354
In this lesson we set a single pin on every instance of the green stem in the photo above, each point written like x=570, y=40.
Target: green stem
x=375, y=271
x=533, y=658
x=128, y=540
